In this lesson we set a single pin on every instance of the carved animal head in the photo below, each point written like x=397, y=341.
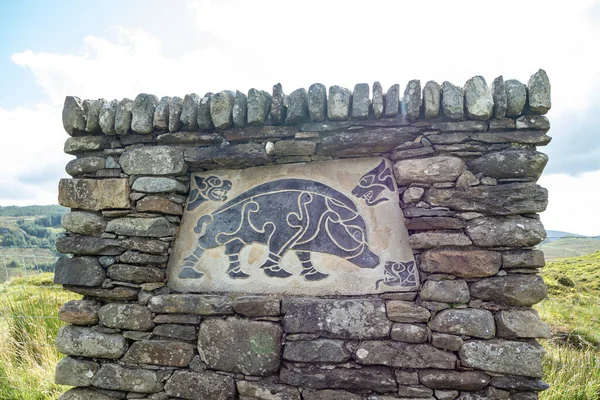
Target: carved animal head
x=372, y=185
x=211, y=188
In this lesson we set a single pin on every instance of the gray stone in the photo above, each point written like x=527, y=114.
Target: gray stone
x=379, y=379
x=294, y=148
x=82, y=271
x=197, y=138
x=479, y=102
x=360, y=101
x=145, y=245
x=160, y=352
x=298, y=107
x=338, y=103
x=116, y=377
x=81, y=144
x=456, y=126
x=346, y=319
x=132, y=317
x=461, y=263
x=92, y=108
x=175, y=109
x=513, y=198
x=405, y=377
x=523, y=259
x=452, y=101
x=147, y=184
x=106, y=119
x=413, y=194
x=123, y=116
x=521, y=324
x=191, y=304
x=189, y=112
x=539, y=122
x=502, y=124
x=84, y=223
x=240, y=109
x=445, y=394
x=433, y=223
x=428, y=240
x=88, y=245
x=411, y=392
x=200, y=385
x=391, y=103
x=159, y=204
x=428, y=170
x=79, y=312
x=161, y=115
x=259, y=105
x=241, y=155
x=406, y=311
x=512, y=232
x=257, y=306
x=313, y=351
x=221, y=109
x=87, y=342
x=84, y=394
x=465, y=380
x=412, y=99
x=409, y=333
x=519, y=383
x=135, y=257
x=466, y=179
x=73, y=115
x=503, y=356
x=449, y=291
x=516, y=290
x=365, y=143
x=204, y=118
x=177, y=332
x=71, y=371
x=178, y=319
x=499, y=97
x=516, y=96
x=468, y=321
x=402, y=355
x=432, y=93
x=412, y=153
x=538, y=91
x=142, y=114
x=510, y=164
x=144, y=227
x=239, y=345
x=446, y=341
x=119, y=293
x=277, y=112
x=378, y=102
x=135, y=273
x=267, y=391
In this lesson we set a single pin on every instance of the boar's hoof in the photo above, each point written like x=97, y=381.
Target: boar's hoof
x=190, y=273
x=311, y=274
x=277, y=272
x=238, y=274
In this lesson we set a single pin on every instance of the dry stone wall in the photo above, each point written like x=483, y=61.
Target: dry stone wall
x=465, y=162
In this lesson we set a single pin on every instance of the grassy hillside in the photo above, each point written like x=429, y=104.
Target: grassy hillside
x=569, y=246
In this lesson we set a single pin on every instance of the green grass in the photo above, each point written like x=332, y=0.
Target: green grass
x=569, y=247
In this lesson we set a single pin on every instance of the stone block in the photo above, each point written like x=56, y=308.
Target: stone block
x=534, y=122
x=160, y=352
x=392, y=101
x=447, y=291
x=365, y=142
x=175, y=109
x=338, y=103
x=82, y=271
x=432, y=93
x=134, y=317
x=221, y=109
x=134, y=257
x=161, y=114
x=468, y=321
x=257, y=306
x=259, y=105
x=84, y=223
x=517, y=290
x=428, y=240
x=278, y=109
x=503, y=356
x=297, y=111
x=446, y=341
x=200, y=385
x=294, y=148
x=402, y=355
x=379, y=379
x=315, y=351
x=155, y=160
x=378, y=102
x=135, y=273
x=142, y=113
x=189, y=112
x=519, y=383
x=510, y=164
x=72, y=371
x=191, y=304
x=499, y=97
x=240, y=109
x=107, y=117
x=85, y=165
x=79, y=312
x=465, y=380
x=88, y=245
x=144, y=227
x=452, y=101
x=317, y=102
x=516, y=97
x=538, y=91
x=94, y=194
x=82, y=144
x=523, y=259
x=87, y=342
x=73, y=115
x=428, y=170
x=461, y=263
x=406, y=311
x=147, y=184
x=479, y=102
x=513, y=232
x=267, y=391
x=412, y=99
x=521, y=324
x=241, y=155
x=119, y=293
x=360, y=101
x=84, y=394
x=409, y=333
x=123, y=116
x=136, y=380
x=159, y=204
x=176, y=332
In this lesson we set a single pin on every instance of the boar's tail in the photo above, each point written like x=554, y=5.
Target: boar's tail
x=205, y=219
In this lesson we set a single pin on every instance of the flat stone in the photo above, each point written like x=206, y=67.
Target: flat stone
x=147, y=184
x=402, y=355
x=259, y=105
x=94, y=194
x=198, y=138
x=161, y=114
x=516, y=96
x=448, y=291
x=345, y=319
x=136, y=380
x=177, y=332
x=433, y=223
x=135, y=273
x=521, y=324
x=142, y=114
x=82, y=144
x=523, y=259
x=538, y=92
x=119, y=293
x=294, y=148
x=456, y=126
x=189, y=112
x=452, y=101
x=428, y=170
x=132, y=317
x=221, y=109
x=298, y=107
x=123, y=116
x=391, y=102
x=378, y=102
x=430, y=239
x=411, y=392
x=72, y=371
x=152, y=246
x=83, y=223
x=92, y=108
x=106, y=119
x=160, y=352
x=87, y=342
x=432, y=93
x=159, y=204
x=360, y=101
x=405, y=377
x=191, y=304
x=200, y=385
x=267, y=391
x=461, y=263
x=313, y=351
x=409, y=333
x=240, y=345
x=468, y=321
x=83, y=271
x=380, y=379
x=204, y=118
x=406, y=311
x=278, y=110
x=417, y=212
x=516, y=290
x=512, y=232
x=338, y=103
x=260, y=133
x=502, y=124
x=499, y=97
x=375, y=140
x=175, y=109
x=413, y=194
x=412, y=153
x=465, y=380
x=446, y=394
x=241, y=155
x=85, y=165
x=503, y=356
x=328, y=394
x=446, y=341
x=79, y=312
x=177, y=319
x=479, y=102
x=145, y=227
x=73, y=115
x=257, y=306
x=539, y=122
x=155, y=160
x=240, y=109
x=87, y=245
x=519, y=383
x=84, y=394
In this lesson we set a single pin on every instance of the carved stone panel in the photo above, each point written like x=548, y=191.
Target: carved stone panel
x=321, y=228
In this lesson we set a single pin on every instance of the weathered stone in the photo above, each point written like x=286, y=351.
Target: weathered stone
x=375, y=140
x=412, y=153
x=147, y=184
x=106, y=119
x=412, y=99
x=116, y=377
x=83, y=271
x=189, y=112
x=379, y=379
x=161, y=115
x=338, y=103
x=409, y=333
x=135, y=257
x=452, y=101
x=294, y=148
x=449, y=291
x=499, y=97
x=240, y=109
x=446, y=394
x=145, y=227
x=405, y=377
x=204, y=118
x=84, y=223
x=320, y=350
x=73, y=115
x=538, y=122
x=360, y=101
x=267, y=391
x=135, y=273
x=538, y=91
x=502, y=124
x=191, y=304
x=79, y=312
x=155, y=160
x=86, y=165
x=516, y=96
x=461, y=263
x=221, y=109
x=298, y=107
x=446, y=341
x=91, y=109
x=160, y=352
x=391, y=101
x=93, y=194
x=204, y=385
x=466, y=380
x=428, y=170
x=278, y=110
x=468, y=321
x=503, y=356
x=142, y=114
x=432, y=93
x=177, y=332
x=119, y=293
x=317, y=102
x=523, y=259
x=259, y=105
x=433, y=223
x=159, y=204
x=428, y=240
x=328, y=394
x=123, y=116
x=479, y=102
x=516, y=290
x=257, y=306
x=152, y=246
x=87, y=342
x=378, y=102
x=513, y=232
x=240, y=155
x=521, y=324
x=413, y=194
x=75, y=372
x=406, y=311
x=514, y=198
x=456, y=126
x=132, y=317
x=239, y=345
x=175, y=109
x=411, y=392
x=88, y=245
x=416, y=212
x=402, y=355
x=84, y=394
x=197, y=138
x=346, y=319
x=81, y=144
x=519, y=383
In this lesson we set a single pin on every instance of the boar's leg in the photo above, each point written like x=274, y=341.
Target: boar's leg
x=272, y=268
x=188, y=271
x=308, y=270
x=232, y=249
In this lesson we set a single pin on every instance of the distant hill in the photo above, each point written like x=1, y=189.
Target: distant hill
x=569, y=246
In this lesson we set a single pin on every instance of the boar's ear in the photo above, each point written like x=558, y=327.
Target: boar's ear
x=200, y=182
x=385, y=176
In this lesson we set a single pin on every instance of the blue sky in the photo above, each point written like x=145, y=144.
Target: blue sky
x=115, y=49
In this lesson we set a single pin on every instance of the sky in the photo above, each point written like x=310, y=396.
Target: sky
x=119, y=48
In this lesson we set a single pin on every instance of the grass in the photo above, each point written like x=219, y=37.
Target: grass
x=569, y=247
